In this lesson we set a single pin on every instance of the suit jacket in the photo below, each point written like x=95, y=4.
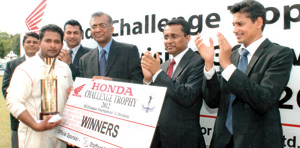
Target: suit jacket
x=179, y=118
x=123, y=63
x=75, y=65
x=9, y=70
x=256, y=117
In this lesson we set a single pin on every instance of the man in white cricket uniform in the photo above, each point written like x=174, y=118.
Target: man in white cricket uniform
x=24, y=92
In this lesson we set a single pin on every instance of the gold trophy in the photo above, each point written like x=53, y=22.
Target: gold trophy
x=49, y=90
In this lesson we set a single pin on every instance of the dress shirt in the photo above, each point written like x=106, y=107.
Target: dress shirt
x=75, y=49
x=177, y=60
x=106, y=48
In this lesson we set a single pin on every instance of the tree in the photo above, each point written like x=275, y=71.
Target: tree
x=9, y=43
x=14, y=44
x=4, y=39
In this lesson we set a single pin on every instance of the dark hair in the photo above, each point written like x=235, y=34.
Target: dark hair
x=73, y=23
x=99, y=13
x=186, y=29
x=253, y=9
x=52, y=28
x=32, y=34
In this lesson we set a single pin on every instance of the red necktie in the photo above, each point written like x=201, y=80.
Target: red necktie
x=170, y=71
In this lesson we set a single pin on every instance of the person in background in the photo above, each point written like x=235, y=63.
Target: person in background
x=178, y=124
x=111, y=60
x=31, y=45
x=73, y=34
x=24, y=92
x=253, y=76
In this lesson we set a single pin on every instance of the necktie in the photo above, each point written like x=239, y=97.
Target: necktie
x=102, y=62
x=170, y=71
x=71, y=51
x=242, y=66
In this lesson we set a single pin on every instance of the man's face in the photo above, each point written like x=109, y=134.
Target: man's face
x=101, y=30
x=50, y=45
x=174, y=39
x=72, y=36
x=245, y=30
x=31, y=46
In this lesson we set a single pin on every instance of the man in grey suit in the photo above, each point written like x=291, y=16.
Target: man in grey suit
x=248, y=90
x=111, y=59
x=31, y=45
x=73, y=34
x=178, y=124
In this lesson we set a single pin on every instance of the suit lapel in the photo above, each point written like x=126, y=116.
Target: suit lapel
x=95, y=61
x=235, y=56
x=165, y=66
x=257, y=54
x=78, y=55
x=183, y=62
x=112, y=56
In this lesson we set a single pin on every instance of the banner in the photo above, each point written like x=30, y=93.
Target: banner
x=109, y=114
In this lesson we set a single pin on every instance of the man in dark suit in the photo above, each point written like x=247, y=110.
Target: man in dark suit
x=248, y=91
x=73, y=34
x=111, y=59
x=31, y=44
x=178, y=124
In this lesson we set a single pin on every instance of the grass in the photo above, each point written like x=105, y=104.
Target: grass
x=4, y=122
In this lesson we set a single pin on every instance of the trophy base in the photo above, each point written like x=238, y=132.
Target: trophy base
x=45, y=115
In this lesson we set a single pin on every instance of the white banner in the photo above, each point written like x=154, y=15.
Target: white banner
x=110, y=114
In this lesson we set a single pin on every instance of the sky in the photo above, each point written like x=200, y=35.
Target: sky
x=11, y=12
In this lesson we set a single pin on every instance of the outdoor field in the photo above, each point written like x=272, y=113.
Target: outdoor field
x=4, y=122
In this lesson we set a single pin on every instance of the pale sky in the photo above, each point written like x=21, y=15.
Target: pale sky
x=11, y=12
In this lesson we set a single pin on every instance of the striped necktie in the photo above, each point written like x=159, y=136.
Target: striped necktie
x=102, y=62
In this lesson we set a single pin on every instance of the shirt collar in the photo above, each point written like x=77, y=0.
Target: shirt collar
x=75, y=49
x=252, y=47
x=26, y=57
x=179, y=56
x=106, y=47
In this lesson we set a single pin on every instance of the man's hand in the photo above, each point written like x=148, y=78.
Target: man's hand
x=150, y=65
x=206, y=52
x=101, y=78
x=147, y=74
x=45, y=125
x=26, y=118
x=64, y=56
x=225, y=51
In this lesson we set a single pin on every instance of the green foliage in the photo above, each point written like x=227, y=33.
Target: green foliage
x=9, y=42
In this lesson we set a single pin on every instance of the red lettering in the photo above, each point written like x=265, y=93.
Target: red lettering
x=111, y=88
x=103, y=87
x=120, y=90
x=95, y=85
x=128, y=91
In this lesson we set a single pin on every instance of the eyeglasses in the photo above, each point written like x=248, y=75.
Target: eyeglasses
x=101, y=26
x=172, y=37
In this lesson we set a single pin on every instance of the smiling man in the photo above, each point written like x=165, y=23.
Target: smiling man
x=24, y=92
x=254, y=74
x=178, y=124
x=111, y=59
x=73, y=34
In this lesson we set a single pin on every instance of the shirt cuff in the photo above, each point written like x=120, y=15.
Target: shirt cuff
x=155, y=75
x=210, y=73
x=146, y=83
x=228, y=72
